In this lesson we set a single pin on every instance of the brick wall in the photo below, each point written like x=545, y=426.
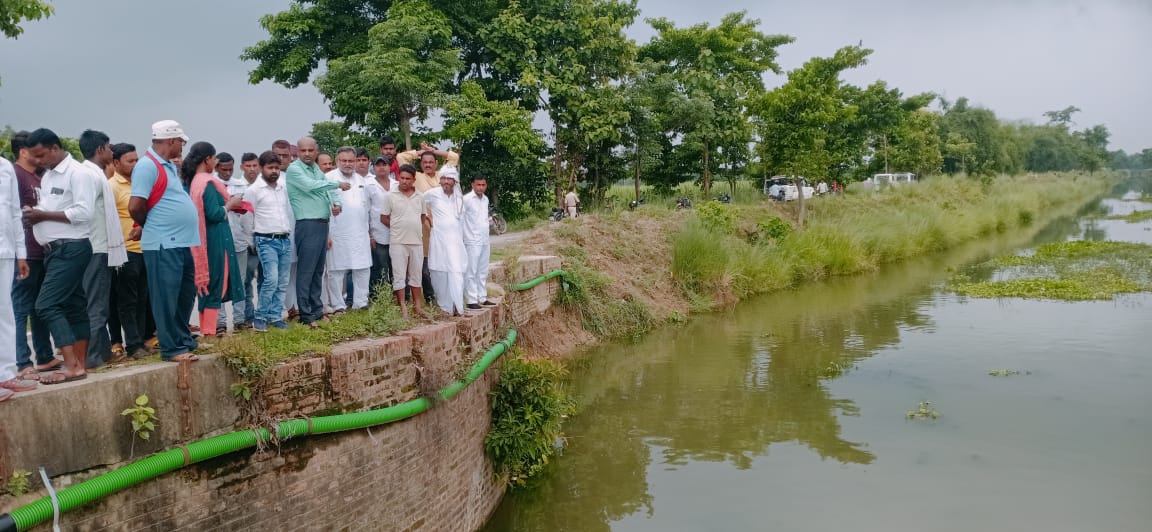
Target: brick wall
x=428, y=472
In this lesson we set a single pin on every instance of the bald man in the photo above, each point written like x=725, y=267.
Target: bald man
x=314, y=199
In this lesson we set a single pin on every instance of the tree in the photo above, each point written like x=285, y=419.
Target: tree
x=407, y=69
x=13, y=12
x=715, y=71
x=796, y=120
x=331, y=136
x=915, y=143
x=971, y=139
x=1062, y=117
x=566, y=57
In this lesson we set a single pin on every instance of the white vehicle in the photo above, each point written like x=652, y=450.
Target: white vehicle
x=892, y=179
x=783, y=188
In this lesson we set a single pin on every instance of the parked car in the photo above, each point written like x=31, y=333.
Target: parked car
x=880, y=180
x=783, y=188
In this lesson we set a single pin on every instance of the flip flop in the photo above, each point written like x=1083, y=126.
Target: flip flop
x=189, y=357
x=61, y=379
x=5, y=394
x=29, y=373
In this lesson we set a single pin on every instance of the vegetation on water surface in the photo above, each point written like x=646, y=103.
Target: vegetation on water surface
x=1070, y=271
x=1007, y=372
x=1134, y=217
x=529, y=404
x=923, y=410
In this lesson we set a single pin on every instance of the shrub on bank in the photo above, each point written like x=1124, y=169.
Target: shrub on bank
x=529, y=405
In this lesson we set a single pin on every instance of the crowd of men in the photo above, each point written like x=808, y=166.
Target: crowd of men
x=98, y=257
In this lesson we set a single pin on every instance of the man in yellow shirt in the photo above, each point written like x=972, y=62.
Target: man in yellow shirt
x=428, y=179
x=129, y=284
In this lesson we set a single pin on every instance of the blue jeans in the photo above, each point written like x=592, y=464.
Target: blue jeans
x=242, y=307
x=172, y=287
x=24, y=293
x=276, y=260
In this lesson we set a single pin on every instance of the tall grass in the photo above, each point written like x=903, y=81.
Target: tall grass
x=861, y=230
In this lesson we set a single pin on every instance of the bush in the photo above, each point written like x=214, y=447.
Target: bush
x=529, y=405
x=772, y=228
x=717, y=216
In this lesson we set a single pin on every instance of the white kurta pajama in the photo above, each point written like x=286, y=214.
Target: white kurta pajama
x=475, y=229
x=351, y=250
x=446, y=255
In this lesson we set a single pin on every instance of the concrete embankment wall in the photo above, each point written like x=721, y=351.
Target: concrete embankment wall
x=427, y=472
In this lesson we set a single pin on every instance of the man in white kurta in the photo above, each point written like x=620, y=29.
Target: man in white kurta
x=475, y=228
x=446, y=255
x=350, y=248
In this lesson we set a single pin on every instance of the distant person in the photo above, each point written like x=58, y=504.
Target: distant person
x=62, y=223
x=169, y=222
x=107, y=249
x=13, y=265
x=378, y=190
x=314, y=202
x=325, y=162
x=572, y=202
x=272, y=226
x=447, y=257
x=26, y=290
x=474, y=223
x=404, y=215
x=218, y=276
x=130, y=281
x=349, y=237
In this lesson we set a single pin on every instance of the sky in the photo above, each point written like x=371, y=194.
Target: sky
x=120, y=69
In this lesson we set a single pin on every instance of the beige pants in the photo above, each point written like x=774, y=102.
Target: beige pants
x=571, y=212
x=407, y=263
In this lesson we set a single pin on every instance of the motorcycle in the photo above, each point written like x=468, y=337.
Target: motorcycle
x=635, y=203
x=683, y=203
x=724, y=198
x=496, y=223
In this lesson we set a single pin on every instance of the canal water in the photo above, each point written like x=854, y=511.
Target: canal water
x=789, y=413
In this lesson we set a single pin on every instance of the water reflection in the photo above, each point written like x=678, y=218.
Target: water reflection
x=725, y=388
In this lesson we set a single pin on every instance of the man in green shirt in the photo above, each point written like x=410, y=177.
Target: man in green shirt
x=313, y=198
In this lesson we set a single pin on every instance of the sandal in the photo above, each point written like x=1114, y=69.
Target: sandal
x=59, y=377
x=29, y=373
x=5, y=394
x=184, y=357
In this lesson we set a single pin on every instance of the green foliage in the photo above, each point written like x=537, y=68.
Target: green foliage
x=923, y=410
x=717, y=216
x=603, y=312
x=1007, y=372
x=331, y=136
x=529, y=405
x=13, y=12
x=408, y=68
x=1134, y=217
x=142, y=416
x=772, y=228
x=19, y=483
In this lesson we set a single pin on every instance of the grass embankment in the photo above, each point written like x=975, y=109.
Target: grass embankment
x=1134, y=217
x=1070, y=271
x=634, y=270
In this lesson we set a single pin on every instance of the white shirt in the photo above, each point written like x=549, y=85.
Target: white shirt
x=446, y=242
x=99, y=222
x=241, y=224
x=69, y=188
x=475, y=219
x=378, y=197
x=272, y=214
x=348, y=231
x=11, y=224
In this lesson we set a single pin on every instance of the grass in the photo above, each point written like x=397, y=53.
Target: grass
x=251, y=353
x=1069, y=271
x=858, y=232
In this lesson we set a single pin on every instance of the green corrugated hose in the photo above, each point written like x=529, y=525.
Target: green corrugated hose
x=532, y=284
x=30, y=515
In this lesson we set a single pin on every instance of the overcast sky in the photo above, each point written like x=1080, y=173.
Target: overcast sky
x=118, y=69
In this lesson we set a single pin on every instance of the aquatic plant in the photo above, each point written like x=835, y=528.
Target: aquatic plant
x=1007, y=372
x=923, y=410
x=1134, y=217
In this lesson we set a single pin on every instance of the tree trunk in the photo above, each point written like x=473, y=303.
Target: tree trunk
x=636, y=178
x=406, y=128
x=707, y=172
x=800, y=198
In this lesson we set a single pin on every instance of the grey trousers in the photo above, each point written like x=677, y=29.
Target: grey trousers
x=97, y=285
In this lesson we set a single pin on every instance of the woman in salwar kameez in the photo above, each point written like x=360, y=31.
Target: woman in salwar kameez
x=218, y=276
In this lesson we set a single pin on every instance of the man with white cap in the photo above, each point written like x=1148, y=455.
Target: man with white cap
x=446, y=255
x=170, y=225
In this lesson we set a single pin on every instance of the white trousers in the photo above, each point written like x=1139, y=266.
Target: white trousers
x=7, y=320
x=449, y=287
x=334, y=288
x=290, y=291
x=476, y=273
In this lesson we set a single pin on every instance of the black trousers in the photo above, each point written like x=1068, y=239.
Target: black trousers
x=131, y=289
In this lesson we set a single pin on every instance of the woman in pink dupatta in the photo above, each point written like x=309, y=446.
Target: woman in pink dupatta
x=217, y=272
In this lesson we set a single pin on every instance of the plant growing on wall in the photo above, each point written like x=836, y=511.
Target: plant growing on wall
x=529, y=405
x=143, y=419
x=19, y=484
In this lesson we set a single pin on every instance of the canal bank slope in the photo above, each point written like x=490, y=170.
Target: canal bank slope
x=631, y=271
